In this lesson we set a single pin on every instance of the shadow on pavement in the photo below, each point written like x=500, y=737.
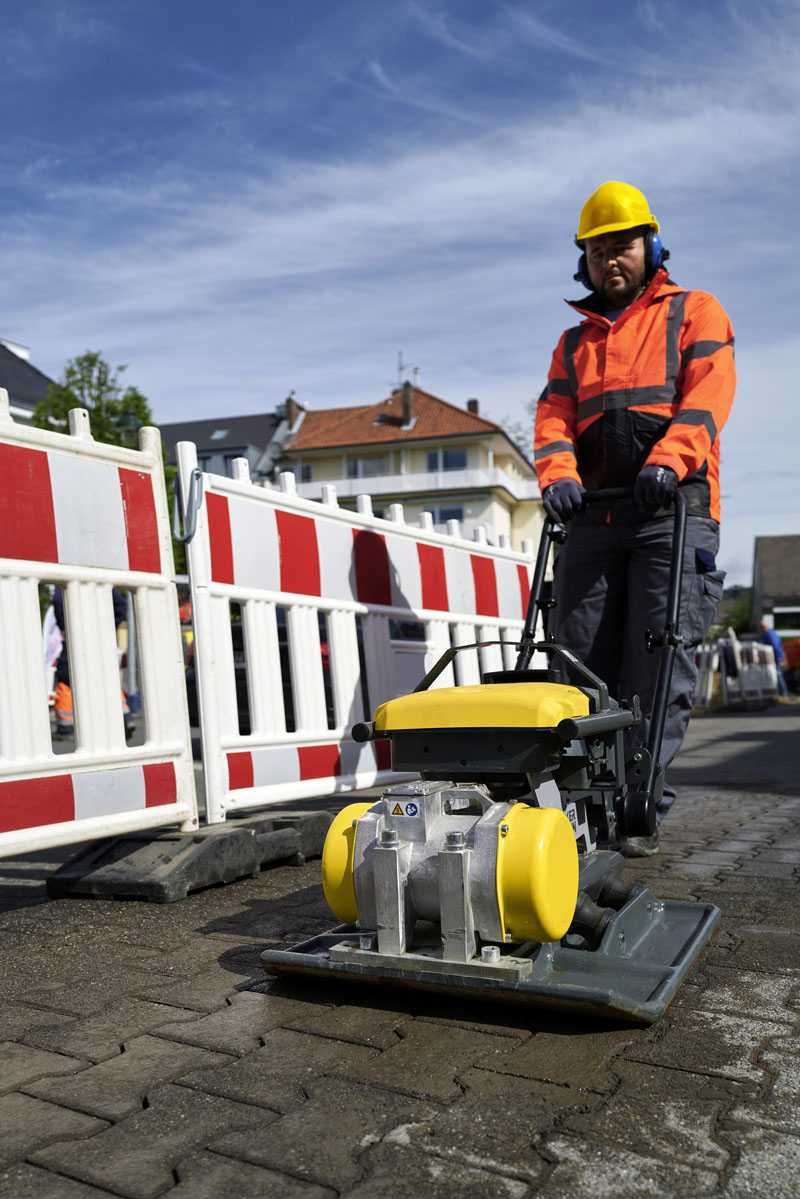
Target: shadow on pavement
x=765, y=754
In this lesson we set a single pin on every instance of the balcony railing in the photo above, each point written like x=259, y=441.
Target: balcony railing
x=427, y=483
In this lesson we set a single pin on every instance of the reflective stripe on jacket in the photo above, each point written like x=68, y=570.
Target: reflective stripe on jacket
x=656, y=386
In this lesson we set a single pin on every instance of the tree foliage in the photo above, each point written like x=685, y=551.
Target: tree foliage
x=116, y=413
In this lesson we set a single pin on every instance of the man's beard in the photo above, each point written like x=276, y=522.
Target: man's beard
x=621, y=299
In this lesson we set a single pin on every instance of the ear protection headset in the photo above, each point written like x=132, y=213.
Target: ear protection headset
x=655, y=255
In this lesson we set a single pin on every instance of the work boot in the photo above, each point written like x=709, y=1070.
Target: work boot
x=639, y=847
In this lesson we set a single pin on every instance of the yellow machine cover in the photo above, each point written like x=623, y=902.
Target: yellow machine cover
x=483, y=706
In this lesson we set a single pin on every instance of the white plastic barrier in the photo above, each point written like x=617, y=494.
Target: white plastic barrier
x=89, y=517
x=756, y=677
x=326, y=589
x=731, y=671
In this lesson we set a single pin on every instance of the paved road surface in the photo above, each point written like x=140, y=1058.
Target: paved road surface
x=144, y=1054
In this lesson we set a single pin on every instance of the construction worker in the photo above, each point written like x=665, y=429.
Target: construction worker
x=636, y=397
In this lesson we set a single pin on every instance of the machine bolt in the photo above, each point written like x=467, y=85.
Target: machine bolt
x=455, y=839
x=637, y=757
x=490, y=954
x=389, y=836
x=503, y=830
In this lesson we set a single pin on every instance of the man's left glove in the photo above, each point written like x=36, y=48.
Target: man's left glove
x=655, y=487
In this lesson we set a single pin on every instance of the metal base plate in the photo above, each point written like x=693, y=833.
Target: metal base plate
x=644, y=956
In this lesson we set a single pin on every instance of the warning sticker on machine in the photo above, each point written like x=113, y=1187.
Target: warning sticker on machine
x=572, y=816
x=397, y=810
x=411, y=809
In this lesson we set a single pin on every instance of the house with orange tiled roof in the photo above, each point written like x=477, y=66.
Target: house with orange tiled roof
x=418, y=450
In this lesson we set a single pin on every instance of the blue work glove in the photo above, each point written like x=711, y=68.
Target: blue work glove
x=655, y=487
x=563, y=499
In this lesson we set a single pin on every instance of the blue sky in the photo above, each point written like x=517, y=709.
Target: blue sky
x=238, y=200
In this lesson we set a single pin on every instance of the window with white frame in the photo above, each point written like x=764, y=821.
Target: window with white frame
x=370, y=467
x=447, y=459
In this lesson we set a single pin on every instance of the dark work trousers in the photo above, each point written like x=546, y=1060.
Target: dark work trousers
x=611, y=583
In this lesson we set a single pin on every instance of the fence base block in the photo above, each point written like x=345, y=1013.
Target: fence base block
x=164, y=867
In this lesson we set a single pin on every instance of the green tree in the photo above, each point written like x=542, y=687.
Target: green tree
x=115, y=413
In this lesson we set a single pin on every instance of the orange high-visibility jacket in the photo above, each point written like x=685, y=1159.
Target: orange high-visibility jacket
x=656, y=386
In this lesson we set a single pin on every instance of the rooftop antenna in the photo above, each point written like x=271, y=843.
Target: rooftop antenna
x=403, y=369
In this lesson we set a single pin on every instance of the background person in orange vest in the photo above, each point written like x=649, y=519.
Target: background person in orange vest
x=637, y=394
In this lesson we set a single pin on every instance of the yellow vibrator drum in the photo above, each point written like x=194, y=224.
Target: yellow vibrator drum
x=337, y=863
x=537, y=874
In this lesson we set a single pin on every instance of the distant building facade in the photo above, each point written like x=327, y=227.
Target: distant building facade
x=222, y=439
x=776, y=583
x=416, y=449
x=26, y=384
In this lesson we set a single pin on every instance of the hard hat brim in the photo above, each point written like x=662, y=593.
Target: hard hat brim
x=617, y=227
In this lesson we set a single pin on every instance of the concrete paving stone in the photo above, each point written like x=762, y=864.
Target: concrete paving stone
x=772, y=904
x=763, y=949
x=579, y=1056
x=26, y=1124
x=745, y=992
x=760, y=868
x=714, y=857
x=393, y=1168
x=757, y=835
x=277, y=1076
x=584, y=1168
x=323, y=1140
x=238, y=1027
x=115, y=1088
x=426, y=1060
x=101, y=1036
x=208, y=988
x=136, y=1157
x=738, y=845
x=347, y=1022
x=19, y=1064
x=780, y=1107
x=29, y=1182
x=701, y=871
x=498, y=1122
x=18, y=1018
x=709, y=1043
x=784, y=1042
x=209, y=1176
x=775, y=854
x=768, y=1164
x=664, y=1113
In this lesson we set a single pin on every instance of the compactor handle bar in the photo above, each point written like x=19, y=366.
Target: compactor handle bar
x=668, y=640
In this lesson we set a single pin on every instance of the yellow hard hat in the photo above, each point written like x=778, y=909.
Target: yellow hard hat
x=613, y=206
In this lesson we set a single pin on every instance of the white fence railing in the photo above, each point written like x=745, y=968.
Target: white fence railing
x=327, y=612
x=89, y=518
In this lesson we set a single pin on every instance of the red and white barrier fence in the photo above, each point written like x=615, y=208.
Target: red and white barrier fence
x=89, y=518
x=339, y=611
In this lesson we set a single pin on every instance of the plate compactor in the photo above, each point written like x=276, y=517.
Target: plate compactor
x=496, y=874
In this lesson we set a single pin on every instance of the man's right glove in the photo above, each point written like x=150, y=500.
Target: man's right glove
x=563, y=499
x=655, y=487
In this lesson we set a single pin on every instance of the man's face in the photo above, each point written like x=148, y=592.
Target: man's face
x=616, y=265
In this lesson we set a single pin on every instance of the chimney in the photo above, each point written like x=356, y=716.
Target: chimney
x=292, y=409
x=473, y=406
x=408, y=398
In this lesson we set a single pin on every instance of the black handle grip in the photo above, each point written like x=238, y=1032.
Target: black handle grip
x=363, y=731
